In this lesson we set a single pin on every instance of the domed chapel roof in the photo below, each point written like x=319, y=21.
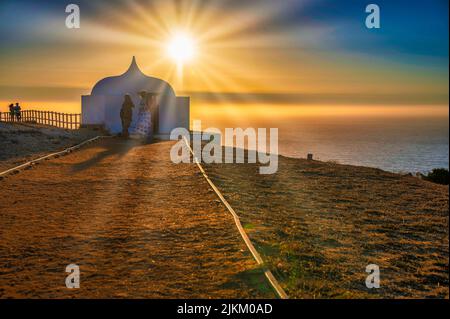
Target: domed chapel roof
x=132, y=81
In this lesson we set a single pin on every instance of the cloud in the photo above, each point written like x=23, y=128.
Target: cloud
x=41, y=93
x=74, y=94
x=322, y=98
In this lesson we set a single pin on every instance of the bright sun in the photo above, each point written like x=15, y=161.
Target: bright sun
x=181, y=48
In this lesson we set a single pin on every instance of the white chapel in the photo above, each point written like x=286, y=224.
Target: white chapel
x=103, y=106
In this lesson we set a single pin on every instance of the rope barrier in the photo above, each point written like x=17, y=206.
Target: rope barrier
x=272, y=280
x=67, y=150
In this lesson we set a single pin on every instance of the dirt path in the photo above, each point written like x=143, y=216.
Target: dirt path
x=137, y=225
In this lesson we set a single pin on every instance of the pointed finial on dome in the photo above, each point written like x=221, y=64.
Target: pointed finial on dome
x=133, y=66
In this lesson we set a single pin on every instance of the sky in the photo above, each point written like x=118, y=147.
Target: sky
x=276, y=53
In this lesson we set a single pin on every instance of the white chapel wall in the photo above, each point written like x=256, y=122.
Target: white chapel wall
x=92, y=109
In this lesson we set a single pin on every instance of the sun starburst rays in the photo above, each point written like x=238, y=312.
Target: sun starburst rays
x=155, y=32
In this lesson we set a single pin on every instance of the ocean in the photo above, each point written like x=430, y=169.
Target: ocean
x=397, y=144
x=397, y=139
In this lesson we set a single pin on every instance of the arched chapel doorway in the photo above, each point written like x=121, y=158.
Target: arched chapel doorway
x=153, y=103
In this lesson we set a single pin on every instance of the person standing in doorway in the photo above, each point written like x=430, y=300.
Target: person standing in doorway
x=126, y=114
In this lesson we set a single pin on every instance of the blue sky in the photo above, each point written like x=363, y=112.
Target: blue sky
x=315, y=41
x=413, y=27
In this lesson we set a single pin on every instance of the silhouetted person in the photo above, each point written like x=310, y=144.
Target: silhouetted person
x=126, y=114
x=17, y=111
x=11, y=112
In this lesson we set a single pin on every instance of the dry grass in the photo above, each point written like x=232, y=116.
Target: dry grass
x=319, y=225
x=138, y=226
x=22, y=142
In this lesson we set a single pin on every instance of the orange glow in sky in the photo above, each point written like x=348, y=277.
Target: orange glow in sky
x=235, y=52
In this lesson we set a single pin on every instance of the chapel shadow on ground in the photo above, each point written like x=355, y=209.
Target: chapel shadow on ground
x=117, y=146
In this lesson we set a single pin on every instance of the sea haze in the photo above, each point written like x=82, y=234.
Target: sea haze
x=393, y=143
